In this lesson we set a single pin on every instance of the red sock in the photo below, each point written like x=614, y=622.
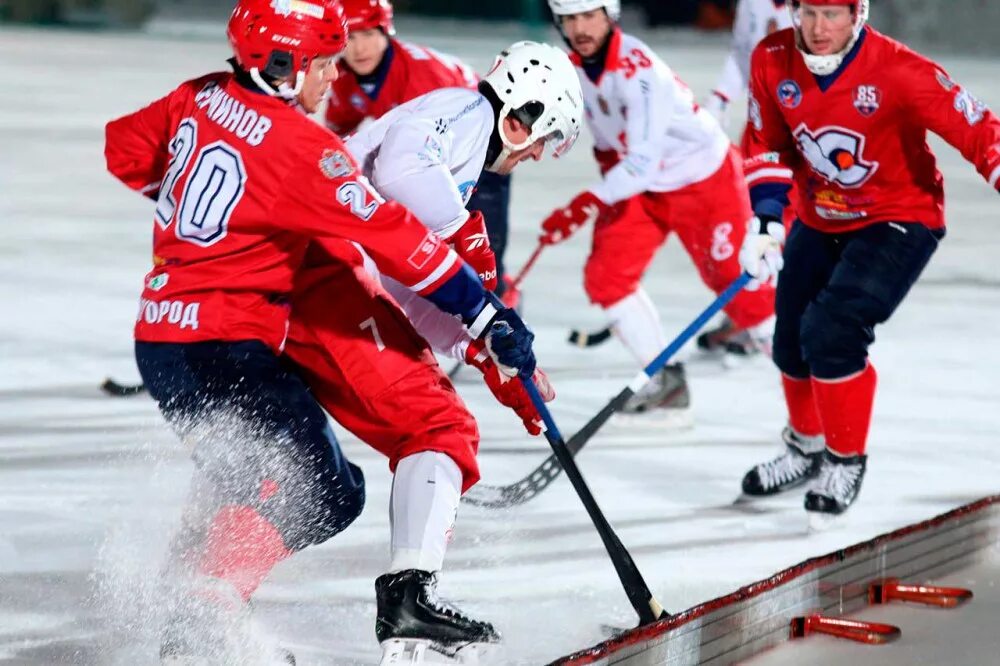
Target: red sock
x=242, y=547
x=802, y=414
x=845, y=408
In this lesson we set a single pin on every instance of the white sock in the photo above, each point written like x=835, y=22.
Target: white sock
x=637, y=324
x=423, y=507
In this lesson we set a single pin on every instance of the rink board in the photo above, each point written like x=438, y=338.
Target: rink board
x=758, y=616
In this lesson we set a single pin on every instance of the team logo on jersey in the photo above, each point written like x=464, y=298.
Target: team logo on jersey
x=158, y=282
x=466, y=189
x=789, y=94
x=358, y=102
x=335, y=164
x=835, y=153
x=867, y=100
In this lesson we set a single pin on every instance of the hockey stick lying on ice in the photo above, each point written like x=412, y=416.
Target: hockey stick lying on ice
x=511, y=288
x=515, y=494
x=111, y=387
x=643, y=601
x=586, y=339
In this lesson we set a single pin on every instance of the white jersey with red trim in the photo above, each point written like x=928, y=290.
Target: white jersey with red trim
x=641, y=109
x=755, y=20
x=428, y=154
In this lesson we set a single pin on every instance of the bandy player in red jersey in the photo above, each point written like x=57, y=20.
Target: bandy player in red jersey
x=667, y=167
x=243, y=181
x=380, y=72
x=843, y=112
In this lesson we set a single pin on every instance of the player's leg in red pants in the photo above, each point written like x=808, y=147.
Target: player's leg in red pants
x=377, y=377
x=374, y=374
x=623, y=246
x=710, y=218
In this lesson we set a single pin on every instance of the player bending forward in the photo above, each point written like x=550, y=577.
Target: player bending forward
x=242, y=180
x=375, y=374
x=843, y=112
x=380, y=72
x=667, y=166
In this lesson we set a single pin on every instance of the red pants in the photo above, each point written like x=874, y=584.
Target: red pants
x=372, y=371
x=710, y=219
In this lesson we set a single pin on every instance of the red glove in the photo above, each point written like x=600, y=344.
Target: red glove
x=561, y=224
x=606, y=159
x=509, y=391
x=472, y=243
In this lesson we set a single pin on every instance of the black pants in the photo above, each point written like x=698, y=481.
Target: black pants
x=250, y=421
x=492, y=199
x=835, y=288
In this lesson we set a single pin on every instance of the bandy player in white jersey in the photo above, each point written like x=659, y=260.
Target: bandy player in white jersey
x=755, y=20
x=372, y=370
x=667, y=167
x=429, y=153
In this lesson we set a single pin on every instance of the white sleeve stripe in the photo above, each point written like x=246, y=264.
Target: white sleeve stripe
x=994, y=177
x=483, y=320
x=761, y=174
x=152, y=187
x=442, y=268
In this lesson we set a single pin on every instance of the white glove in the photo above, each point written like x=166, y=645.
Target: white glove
x=716, y=106
x=760, y=255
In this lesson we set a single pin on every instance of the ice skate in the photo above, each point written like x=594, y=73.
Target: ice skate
x=664, y=399
x=798, y=464
x=738, y=343
x=415, y=626
x=836, y=488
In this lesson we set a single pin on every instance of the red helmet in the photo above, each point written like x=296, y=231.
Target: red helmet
x=280, y=37
x=368, y=14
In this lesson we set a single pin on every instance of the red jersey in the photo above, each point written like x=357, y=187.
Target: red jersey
x=242, y=182
x=856, y=140
x=407, y=71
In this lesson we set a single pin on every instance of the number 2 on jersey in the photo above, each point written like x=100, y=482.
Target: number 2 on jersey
x=213, y=188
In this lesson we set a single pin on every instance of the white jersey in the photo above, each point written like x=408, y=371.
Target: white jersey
x=640, y=109
x=755, y=20
x=428, y=155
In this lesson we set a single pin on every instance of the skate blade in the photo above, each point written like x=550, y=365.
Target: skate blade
x=676, y=420
x=414, y=651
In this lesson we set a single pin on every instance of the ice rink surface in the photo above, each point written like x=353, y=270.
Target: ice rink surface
x=90, y=486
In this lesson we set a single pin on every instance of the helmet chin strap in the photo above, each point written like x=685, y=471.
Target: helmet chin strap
x=283, y=90
x=508, y=145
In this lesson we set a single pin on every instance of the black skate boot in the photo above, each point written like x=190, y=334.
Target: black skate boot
x=836, y=488
x=412, y=619
x=798, y=464
x=667, y=389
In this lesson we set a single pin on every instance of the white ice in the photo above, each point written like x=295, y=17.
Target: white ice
x=90, y=486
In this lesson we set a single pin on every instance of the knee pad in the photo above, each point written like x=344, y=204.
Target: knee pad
x=787, y=349
x=835, y=339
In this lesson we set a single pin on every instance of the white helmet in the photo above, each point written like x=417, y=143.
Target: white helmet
x=822, y=65
x=566, y=7
x=538, y=84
